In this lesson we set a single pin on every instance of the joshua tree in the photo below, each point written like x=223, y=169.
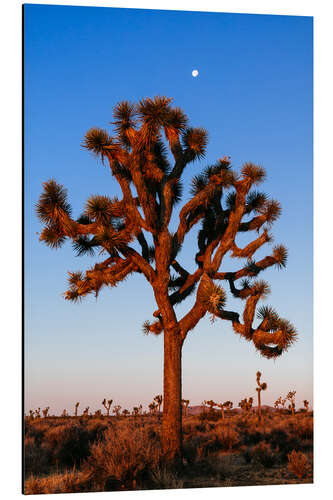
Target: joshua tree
x=116, y=410
x=125, y=412
x=246, y=405
x=31, y=414
x=291, y=397
x=306, y=405
x=211, y=405
x=222, y=200
x=261, y=387
x=226, y=405
x=37, y=413
x=45, y=411
x=98, y=413
x=64, y=413
x=152, y=408
x=86, y=411
x=158, y=400
x=185, y=403
x=76, y=408
x=280, y=402
x=107, y=405
x=135, y=411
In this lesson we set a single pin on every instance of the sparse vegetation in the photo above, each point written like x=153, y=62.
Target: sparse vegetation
x=114, y=453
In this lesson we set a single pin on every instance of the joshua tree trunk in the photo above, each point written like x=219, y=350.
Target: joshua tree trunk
x=172, y=406
x=259, y=406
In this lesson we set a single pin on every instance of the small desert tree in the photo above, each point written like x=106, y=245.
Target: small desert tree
x=262, y=386
x=45, y=411
x=86, y=411
x=226, y=405
x=211, y=405
x=158, y=400
x=152, y=408
x=134, y=234
x=246, y=405
x=107, y=405
x=76, y=408
x=116, y=410
x=306, y=405
x=280, y=402
x=291, y=397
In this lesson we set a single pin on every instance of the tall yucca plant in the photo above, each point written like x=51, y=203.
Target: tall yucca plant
x=261, y=386
x=133, y=233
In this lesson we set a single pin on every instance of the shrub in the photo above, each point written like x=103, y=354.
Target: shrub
x=304, y=428
x=163, y=478
x=36, y=458
x=278, y=438
x=263, y=454
x=254, y=437
x=212, y=416
x=123, y=459
x=96, y=430
x=297, y=463
x=228, y=439
x=247, y=454
x=68, y=482
x=69, y=443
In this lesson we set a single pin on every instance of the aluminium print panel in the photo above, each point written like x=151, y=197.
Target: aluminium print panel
x=168, y=249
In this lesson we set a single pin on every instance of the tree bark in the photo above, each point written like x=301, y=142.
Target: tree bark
x=172, y=406
x=259, y=406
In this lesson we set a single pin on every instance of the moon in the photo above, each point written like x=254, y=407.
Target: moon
x=195, y=73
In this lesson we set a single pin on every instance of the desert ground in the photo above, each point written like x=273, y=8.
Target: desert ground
x=114, y=453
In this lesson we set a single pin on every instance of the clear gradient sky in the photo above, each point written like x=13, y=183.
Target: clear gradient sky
x=254, y=96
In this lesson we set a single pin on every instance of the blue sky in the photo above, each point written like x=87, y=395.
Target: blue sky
x=254, y=96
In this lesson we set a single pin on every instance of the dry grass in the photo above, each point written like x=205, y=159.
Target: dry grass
x=106, y=454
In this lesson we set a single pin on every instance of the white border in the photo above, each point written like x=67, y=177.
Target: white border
x=10, y=199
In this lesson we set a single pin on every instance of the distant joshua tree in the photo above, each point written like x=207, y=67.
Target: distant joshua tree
x=158, y=400
x=280, y=402
x=46, y=411
x=76, y=408
x=246, y=405
x=107, y=405
x=185, y=403
x=226, y=405
x=306, y=405
x=37, y=413
x=125, y=412
x=86, y=411
x=211, y=405
x=64, y=413
x=116, y=410
x=98, y=413
x=261, y=387
x=152, y=408
x=148, y=154
x=135, y=411
x=291, y=397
